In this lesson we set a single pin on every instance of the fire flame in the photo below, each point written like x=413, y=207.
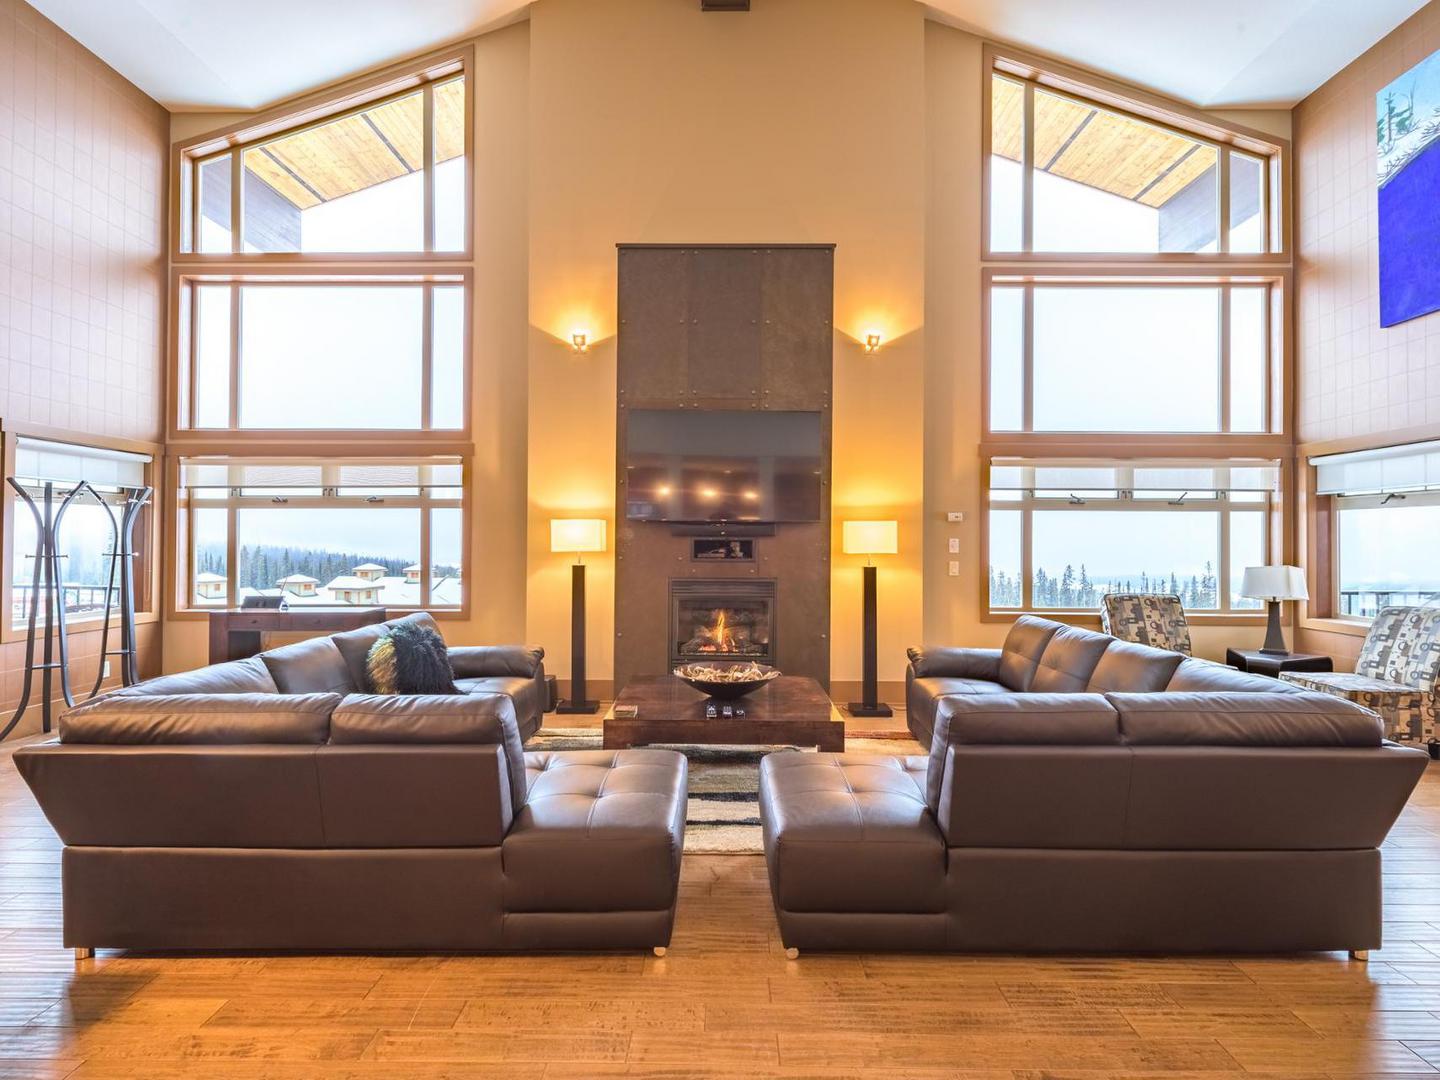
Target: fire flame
x=724, y=639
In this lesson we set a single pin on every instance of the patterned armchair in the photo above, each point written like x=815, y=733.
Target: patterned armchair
x=1154, y=619
x=1396, y=673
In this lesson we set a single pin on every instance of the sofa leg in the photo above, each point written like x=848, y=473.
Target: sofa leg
x=1361, y=955
x=659, y=950
x=792, y=954
x=84, y=954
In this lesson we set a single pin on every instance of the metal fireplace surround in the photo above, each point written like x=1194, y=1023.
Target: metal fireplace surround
x=748, y=632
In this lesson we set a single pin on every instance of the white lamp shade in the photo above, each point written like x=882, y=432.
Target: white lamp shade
x=870, y=538
x=577, y=534
x=1274, y=583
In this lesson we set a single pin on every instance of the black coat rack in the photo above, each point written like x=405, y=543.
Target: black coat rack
x=55, y=650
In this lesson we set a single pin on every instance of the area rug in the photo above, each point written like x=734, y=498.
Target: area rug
x=723, y=816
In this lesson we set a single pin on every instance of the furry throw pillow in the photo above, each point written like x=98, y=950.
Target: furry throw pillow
x=410, y=659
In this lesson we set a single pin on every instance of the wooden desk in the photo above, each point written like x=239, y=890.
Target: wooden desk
x=235, y=632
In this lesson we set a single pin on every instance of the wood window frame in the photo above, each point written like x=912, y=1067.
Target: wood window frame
x=1278, y=362
x=1274, y=266
x=1033, y=71
x=180, y=599
x=149, y=602
x=1225, y=615
x=180, y=404
x=348, y=98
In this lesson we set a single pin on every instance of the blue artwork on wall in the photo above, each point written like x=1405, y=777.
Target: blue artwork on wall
x=1407, y=128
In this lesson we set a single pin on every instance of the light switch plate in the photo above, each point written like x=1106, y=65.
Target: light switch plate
x=954, y=545
x=954, y=567
x=955, y=517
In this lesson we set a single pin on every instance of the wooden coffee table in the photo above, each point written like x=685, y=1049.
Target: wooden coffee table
x=792, y=710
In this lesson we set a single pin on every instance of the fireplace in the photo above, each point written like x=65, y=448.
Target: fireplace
x=722, y=619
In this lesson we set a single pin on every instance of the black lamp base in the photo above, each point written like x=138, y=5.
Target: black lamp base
x=859, y=708
x=1274, y=633
x=577, y=708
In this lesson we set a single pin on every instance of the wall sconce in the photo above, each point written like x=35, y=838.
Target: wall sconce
x=872, y=341
x=579, y=341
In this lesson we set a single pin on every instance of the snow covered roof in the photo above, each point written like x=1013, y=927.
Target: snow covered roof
x=298, y=579
x=369, y=566
x=207, y=576
x=346, y=581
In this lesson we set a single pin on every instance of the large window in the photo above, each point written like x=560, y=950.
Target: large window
x=1064, y=533
x=336, y=355
x=1068, y=175
x=1107, y=356
x=379, y=533
x=88, y=527
x=388, y=177
x=323, y=264
x=1386, y=505
x=1134, y=312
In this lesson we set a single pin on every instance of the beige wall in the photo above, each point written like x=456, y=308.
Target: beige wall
x=1357, y=381
x=853, y=122
x=803, y=121
x=82, y=195
x=1358, y=384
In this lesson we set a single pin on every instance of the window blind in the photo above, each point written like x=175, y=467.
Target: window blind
x=65, y=463
x=1386, y=469
x=227, y=473
x=1187, y=474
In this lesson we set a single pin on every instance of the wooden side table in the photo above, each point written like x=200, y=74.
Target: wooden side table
x=235, y=632
x=1271, y=664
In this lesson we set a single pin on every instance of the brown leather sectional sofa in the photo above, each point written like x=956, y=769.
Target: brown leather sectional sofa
x=209, y=811
x=335, y=664
x=1083, y=794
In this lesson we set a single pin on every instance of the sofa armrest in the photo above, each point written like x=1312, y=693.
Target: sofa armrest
x=489, y=661
x=954, y=663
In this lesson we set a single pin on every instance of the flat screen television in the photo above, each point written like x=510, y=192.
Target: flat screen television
x=693, y=466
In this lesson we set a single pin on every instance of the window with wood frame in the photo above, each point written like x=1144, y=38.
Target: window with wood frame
x=383, y=532
x=1385, y=504
x=323, y=263
x=88, y=527
x=1134, y=309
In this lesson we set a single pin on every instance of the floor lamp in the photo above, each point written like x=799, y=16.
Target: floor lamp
x=870, y=538
x=577, y=536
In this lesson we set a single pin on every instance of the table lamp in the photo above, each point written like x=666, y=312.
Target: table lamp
x=869, y=538
x=1274, y=584
x=577, y=535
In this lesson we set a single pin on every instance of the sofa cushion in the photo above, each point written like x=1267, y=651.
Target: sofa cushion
x=849, y=833
x=1244, y=719
x=1195, y=675
x=525, y=692
x=314, y=666
x=1024, y=646
x=200, y=719
x=248, y=676
x=434, y=720
x=1129, y=668
x=602, y=830
x=485, y=661
x=1068, y=661
x=354, y=645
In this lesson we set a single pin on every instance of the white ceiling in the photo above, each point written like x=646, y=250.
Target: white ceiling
x=1212, y=53
x=245, y=54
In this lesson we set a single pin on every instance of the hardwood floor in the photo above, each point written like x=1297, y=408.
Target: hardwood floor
x=723, y=1003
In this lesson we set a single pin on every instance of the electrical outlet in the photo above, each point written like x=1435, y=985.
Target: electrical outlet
x=954, y=545
x=954, y=567
x=105, y=670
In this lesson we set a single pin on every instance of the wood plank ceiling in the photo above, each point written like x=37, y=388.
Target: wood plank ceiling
x=1097, y=148
x=355, y=152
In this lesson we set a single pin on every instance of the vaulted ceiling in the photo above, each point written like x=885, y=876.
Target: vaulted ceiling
x=245, y=54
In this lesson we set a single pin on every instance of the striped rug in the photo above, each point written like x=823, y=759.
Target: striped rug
x=723, y=816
